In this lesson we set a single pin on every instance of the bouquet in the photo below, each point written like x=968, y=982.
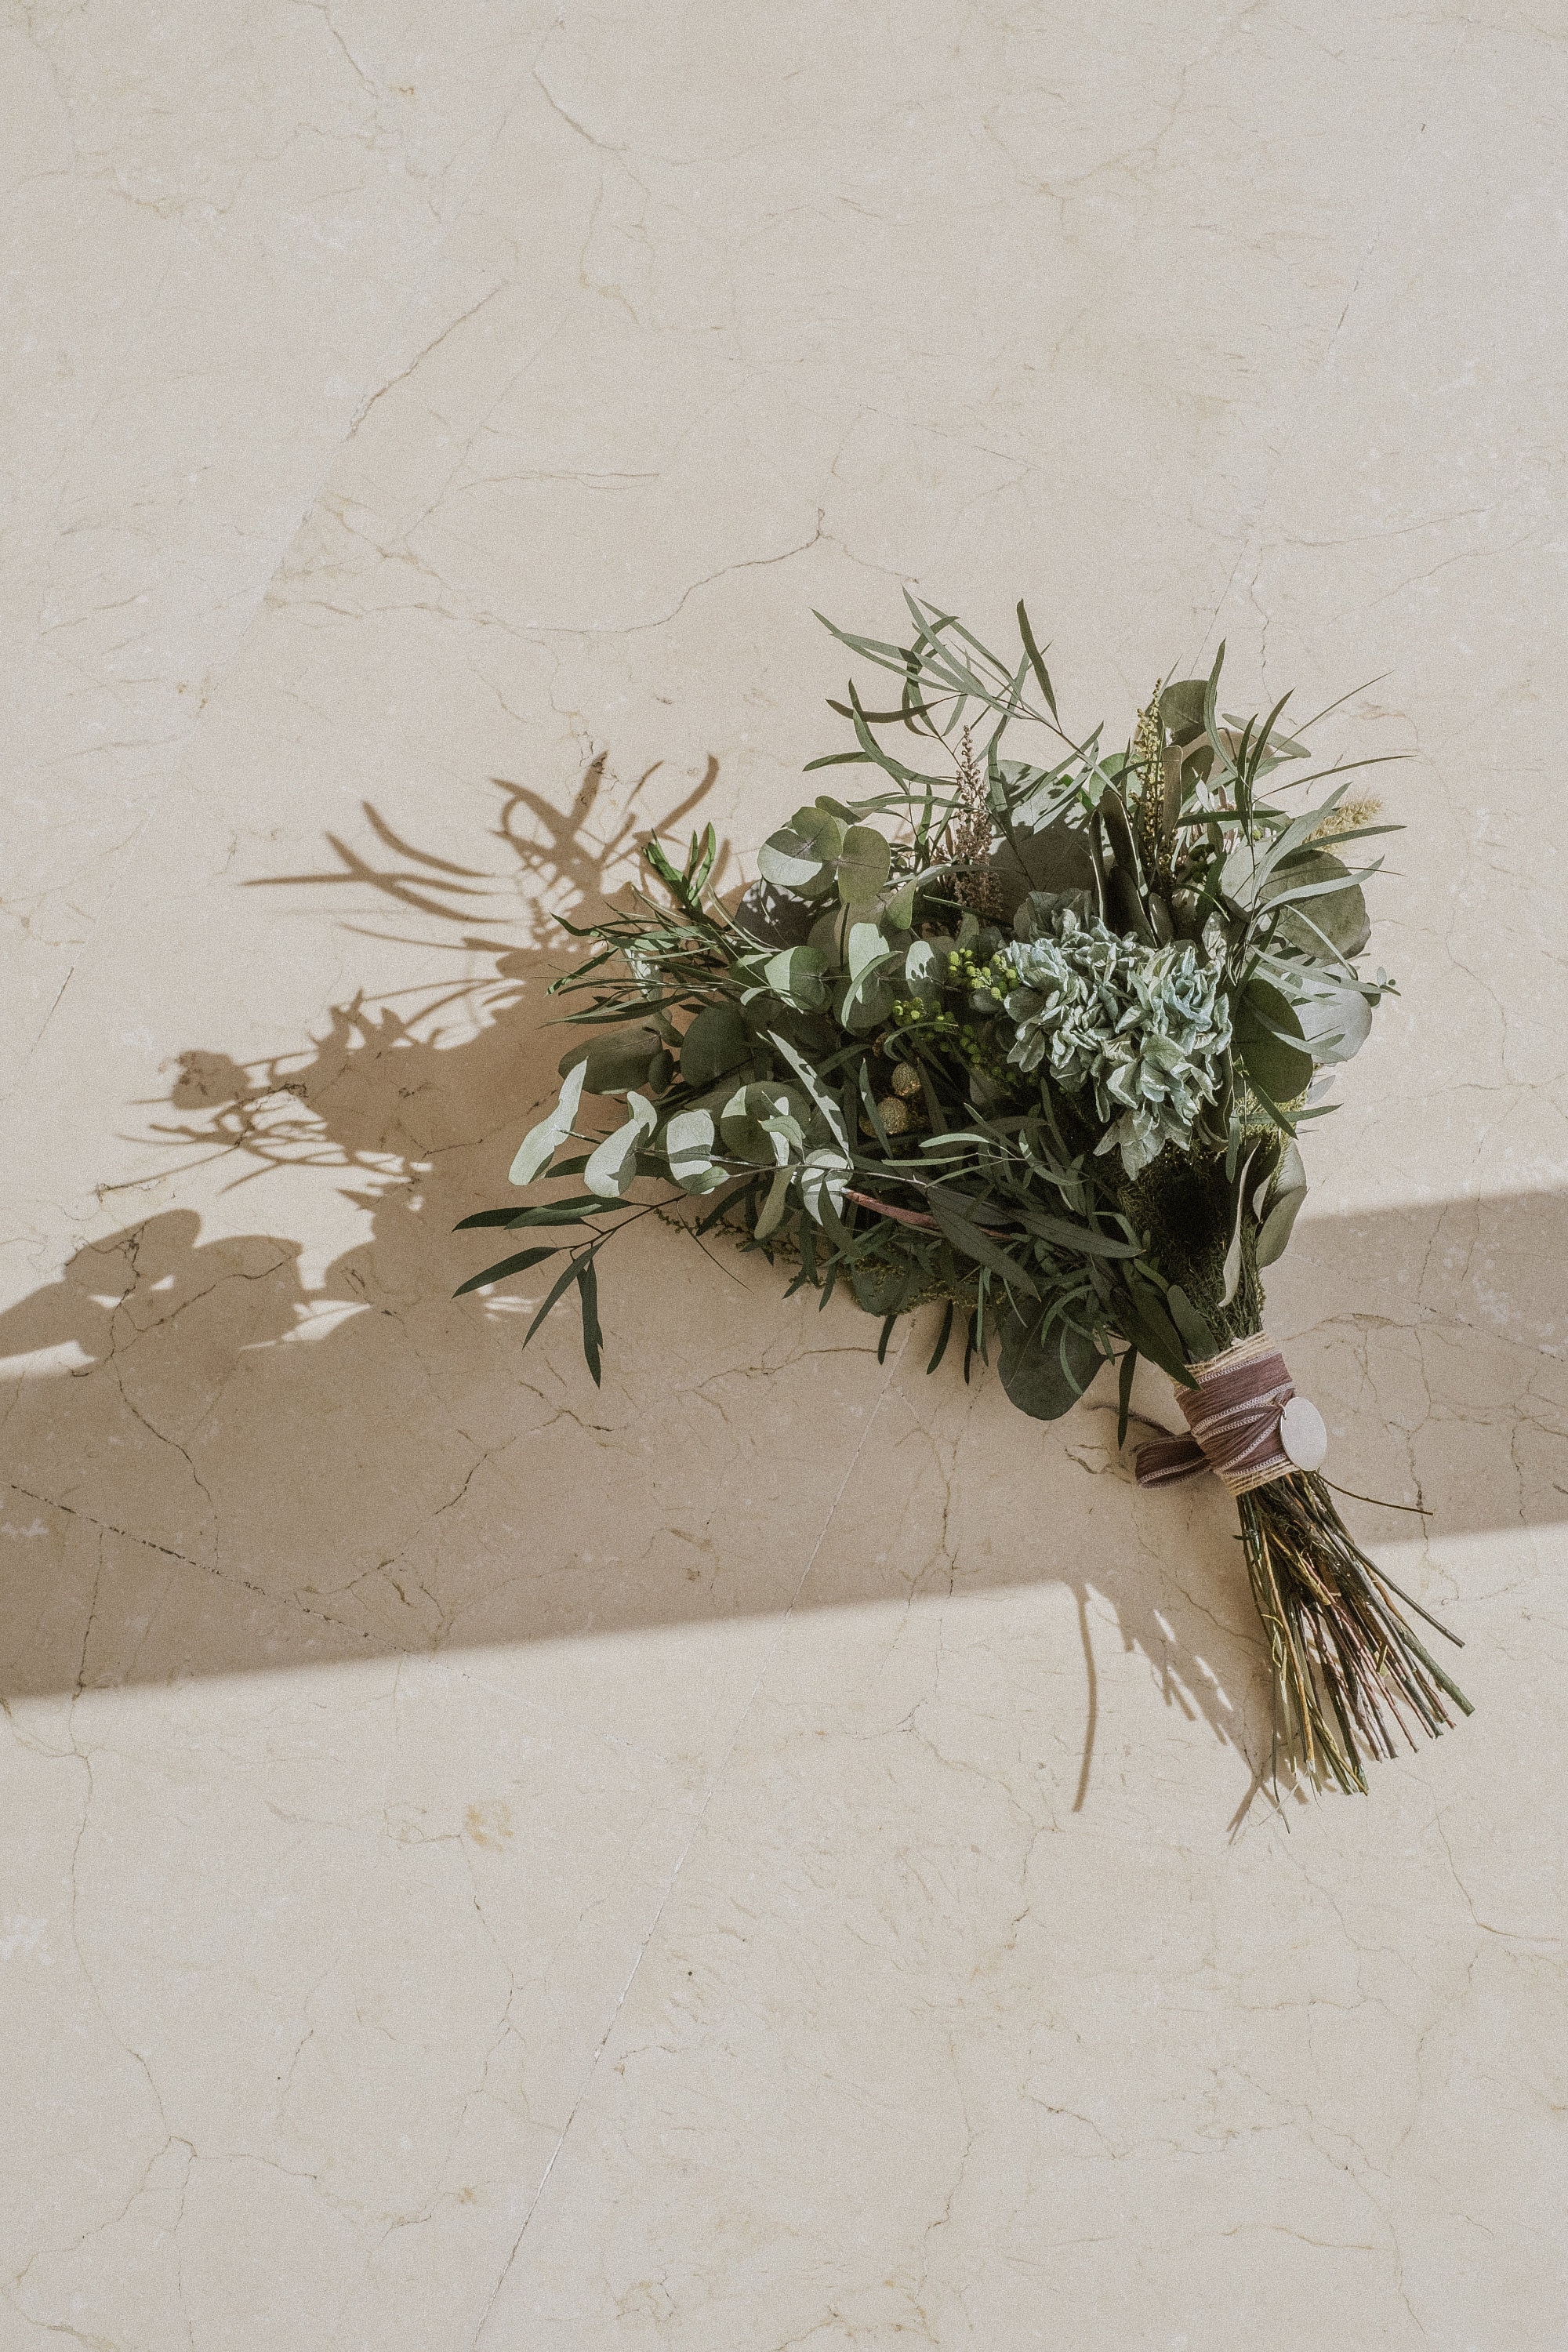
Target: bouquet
x=1033, y=1040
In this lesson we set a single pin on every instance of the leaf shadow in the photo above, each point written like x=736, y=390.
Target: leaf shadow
x=217, y=1463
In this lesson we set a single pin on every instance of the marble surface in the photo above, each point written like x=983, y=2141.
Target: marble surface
x=775, y=1851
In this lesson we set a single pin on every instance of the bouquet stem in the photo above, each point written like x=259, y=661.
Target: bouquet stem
x=1348, y=1669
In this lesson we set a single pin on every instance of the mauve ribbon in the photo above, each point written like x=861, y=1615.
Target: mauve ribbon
x=1234, y=1417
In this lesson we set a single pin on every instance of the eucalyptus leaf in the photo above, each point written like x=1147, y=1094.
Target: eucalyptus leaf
x=899, y=910
x=1182, y=706
x=866, y=946
x=795, y=977
x=615, y=1164
x=715, y=1043
x=756, y=1123
x=863, y=865
x=1335, y=1022
x=1336, y=916
x=612, y=1065
x=688, y=1142
x=775, y=918
x=1196, y=1336
x=799, y=858
x=1277, y=1225
x=1269, y=1040
x=822, y=1182
x=541, y=1144
x=1046, y=1364
x=923, y=969
x=1286, y=1171
x=1056, y=859
x=814, y=1087
x=771, y=1214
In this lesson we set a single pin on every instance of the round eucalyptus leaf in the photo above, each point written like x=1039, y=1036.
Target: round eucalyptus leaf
x=741, y=1123
x=1277, y=1225
x=863, y=864
x=612, y=1065
x=614, y=1165
x=866, y=946
x=1046, y=1364
x=923, y=970
x=1269, y=1040
x=688, y=1147
x=715, y=1043
x=829, y=934
x=1181, y=705
x=1336, y=916
x=800, y=856
x=797, y=976
x=898, y=911
x=1336, y=1024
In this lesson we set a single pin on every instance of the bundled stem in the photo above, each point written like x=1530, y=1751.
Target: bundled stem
x=1348, y=1669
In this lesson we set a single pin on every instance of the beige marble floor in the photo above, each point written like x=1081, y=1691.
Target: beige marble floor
x=771, y=1852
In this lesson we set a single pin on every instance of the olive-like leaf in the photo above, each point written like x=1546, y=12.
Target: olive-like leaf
x=968, y=1238
x=593, y=1338
x=1196, y=1336
x=518, y=1264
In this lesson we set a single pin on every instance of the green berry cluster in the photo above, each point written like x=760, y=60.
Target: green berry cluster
x=921, y=1012
x=993, y=979
x=981, y=986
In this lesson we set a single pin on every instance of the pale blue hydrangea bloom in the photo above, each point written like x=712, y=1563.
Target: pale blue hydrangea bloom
x=1145, y=1030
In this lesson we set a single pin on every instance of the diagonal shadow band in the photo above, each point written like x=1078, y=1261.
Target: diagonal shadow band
x=214, y=1465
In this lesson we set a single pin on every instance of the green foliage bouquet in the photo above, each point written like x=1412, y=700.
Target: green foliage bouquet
x=1033, y=1040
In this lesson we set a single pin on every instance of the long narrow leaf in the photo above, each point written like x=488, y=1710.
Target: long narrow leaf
x=1036, y=664
x=558, y=1291
x=593, y=1338
x=518, y=1264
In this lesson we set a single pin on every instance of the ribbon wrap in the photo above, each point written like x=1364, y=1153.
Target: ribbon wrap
x=1234, y=1416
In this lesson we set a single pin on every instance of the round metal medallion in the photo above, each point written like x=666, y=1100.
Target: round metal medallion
x=1302, y=1434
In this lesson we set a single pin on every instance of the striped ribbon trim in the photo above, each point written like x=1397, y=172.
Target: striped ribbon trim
x=1234, y=1417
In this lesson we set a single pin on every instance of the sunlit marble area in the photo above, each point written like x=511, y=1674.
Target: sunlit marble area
x=776, y=1851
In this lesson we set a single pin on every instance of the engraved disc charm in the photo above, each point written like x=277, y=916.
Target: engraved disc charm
x=1302, y=1434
